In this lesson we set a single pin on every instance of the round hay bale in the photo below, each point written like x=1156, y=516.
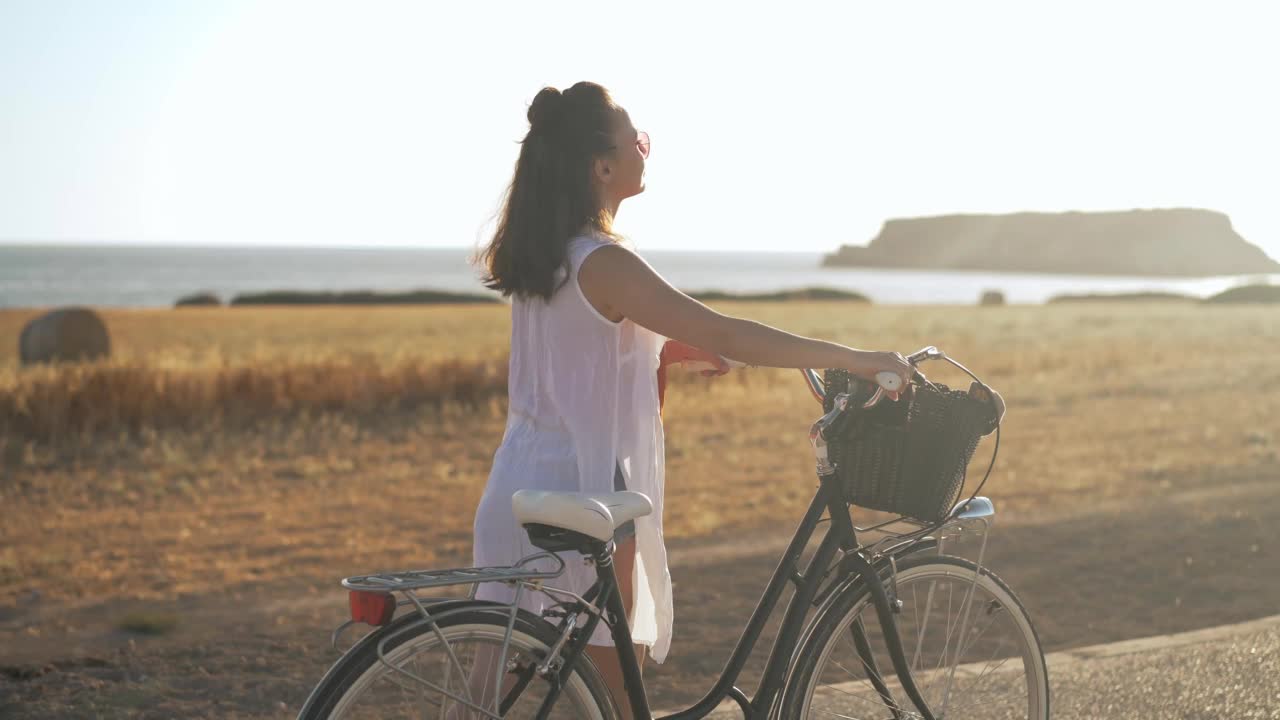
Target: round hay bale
x=64, y=334
x=991, y=297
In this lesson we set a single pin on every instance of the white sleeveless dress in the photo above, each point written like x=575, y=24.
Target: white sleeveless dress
x=583, y=399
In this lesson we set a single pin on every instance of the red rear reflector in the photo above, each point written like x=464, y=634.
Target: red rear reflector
x=373, y=608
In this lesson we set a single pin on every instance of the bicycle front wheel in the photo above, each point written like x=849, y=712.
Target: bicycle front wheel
x=970, y=645
x=450, y=670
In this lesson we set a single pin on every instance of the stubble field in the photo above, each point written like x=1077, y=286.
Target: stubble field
x=186, y=509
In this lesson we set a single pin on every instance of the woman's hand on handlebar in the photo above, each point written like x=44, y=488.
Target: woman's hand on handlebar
x=867, y=364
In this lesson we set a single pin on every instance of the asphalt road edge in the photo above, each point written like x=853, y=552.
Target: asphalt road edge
x=1065, y=658
x=1159, y=642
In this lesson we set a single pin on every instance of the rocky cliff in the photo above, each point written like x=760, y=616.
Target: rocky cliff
x=1178, y=241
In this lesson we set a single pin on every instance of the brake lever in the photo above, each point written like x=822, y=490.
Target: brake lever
x=926, y=353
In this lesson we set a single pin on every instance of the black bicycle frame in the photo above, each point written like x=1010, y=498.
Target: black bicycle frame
x=841, y=536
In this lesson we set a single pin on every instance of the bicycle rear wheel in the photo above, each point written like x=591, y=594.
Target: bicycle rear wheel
x=432, y=671
x=971, y=647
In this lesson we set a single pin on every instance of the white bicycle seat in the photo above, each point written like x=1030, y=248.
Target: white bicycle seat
x=594, y=514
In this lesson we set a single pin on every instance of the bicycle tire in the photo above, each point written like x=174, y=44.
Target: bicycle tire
x=531, y=635
x=853, y=603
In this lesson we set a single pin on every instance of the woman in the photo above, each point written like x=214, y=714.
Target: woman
x=589, y=321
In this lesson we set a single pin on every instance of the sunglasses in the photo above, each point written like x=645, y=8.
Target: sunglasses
x=642, y=144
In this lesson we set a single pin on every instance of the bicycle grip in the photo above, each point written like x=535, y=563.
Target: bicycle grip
x=889, y=380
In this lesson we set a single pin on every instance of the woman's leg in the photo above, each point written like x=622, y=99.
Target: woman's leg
x=606, y=658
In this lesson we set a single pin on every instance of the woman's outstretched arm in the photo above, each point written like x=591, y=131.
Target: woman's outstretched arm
x=619, y=282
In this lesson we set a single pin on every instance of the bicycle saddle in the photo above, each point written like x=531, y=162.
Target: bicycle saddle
x=593, y=514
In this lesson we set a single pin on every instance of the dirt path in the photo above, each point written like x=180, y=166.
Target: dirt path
x=1196, y=558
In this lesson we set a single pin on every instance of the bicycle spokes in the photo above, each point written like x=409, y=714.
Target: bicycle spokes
x=968, y=654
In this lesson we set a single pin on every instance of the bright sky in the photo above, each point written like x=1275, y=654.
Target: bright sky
x=787, y=126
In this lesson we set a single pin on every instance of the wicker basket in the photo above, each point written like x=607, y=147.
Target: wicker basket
x=907, y=457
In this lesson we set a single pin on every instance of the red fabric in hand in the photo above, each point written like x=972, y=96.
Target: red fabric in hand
x=674, y=351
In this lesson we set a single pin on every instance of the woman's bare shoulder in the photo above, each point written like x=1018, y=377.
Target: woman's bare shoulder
x=621, y=281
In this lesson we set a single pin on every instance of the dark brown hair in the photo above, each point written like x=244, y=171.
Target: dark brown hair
x=551, y=196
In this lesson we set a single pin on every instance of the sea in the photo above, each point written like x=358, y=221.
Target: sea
x=37, y=276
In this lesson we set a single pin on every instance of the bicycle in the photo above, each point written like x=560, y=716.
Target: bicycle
x=497, y=660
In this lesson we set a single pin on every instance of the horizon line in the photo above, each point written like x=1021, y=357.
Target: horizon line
x=80, y=242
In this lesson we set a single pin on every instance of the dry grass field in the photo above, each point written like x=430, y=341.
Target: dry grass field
x=245, y=450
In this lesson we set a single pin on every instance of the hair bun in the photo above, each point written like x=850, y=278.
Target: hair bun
x=546, y=109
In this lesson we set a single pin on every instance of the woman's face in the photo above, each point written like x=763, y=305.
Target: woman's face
x=624, y=163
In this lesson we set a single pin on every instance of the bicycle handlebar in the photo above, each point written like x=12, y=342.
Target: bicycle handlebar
x=887, y=380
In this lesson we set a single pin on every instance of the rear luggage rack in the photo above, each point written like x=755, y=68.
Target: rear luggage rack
x=416, y=579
